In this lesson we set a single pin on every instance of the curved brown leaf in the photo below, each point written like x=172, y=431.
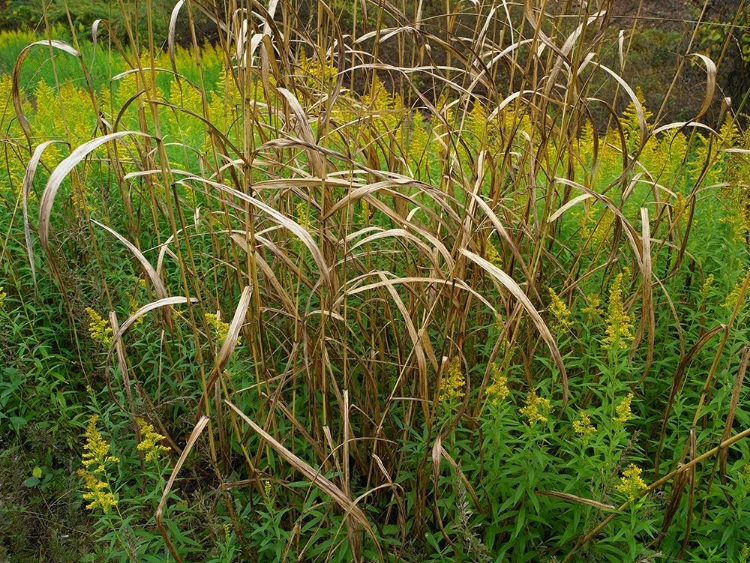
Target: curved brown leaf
x=510, y=284
x=61, y=172
x=16, y=88
x=28, y=181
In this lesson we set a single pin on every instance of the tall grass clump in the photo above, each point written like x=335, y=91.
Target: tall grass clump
x=365, y=281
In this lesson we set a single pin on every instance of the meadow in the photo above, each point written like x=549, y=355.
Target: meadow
x=279, y=298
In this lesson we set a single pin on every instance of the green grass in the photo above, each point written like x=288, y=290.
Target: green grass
x=369, y=325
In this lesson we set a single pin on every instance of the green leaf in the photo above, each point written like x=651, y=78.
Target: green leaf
x=18, y=421
x=31, y=482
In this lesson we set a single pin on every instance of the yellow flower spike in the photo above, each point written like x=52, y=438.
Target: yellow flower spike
x=96, y=449
x=623, y=412
x=303, y=216
x=582, y=425
x=97, y=493
x=151, y=441
x=133, y=307
x=364, y=215
x=3, y=295
x=498, y=390
x=731, y=301
x=537, y=408
x=99, y=328
x=499, y=322
x=706, y=287
x=736, y=217
x=631, y=483
x=477, y=122
x=560, y=312
x=220, y=328
x=630, y=121
x=593, y=309
x=419, y=139
x=586, y=139
x=679, y=207
x=583, y=222
x=453, y=384
x=619, y=322
x=493, y=256
x=603, y=229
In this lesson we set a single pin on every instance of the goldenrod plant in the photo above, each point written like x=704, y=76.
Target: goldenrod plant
x=368, y=281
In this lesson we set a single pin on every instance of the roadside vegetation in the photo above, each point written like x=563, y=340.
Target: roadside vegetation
x=276, y=298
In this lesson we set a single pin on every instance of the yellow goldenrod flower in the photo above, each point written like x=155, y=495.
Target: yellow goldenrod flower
x=731, y=301
x=630, y=120
x=623, y=412
x=477, y=122
x=498, y=390
x=133, y=307
x=584, y=224
x=619, y=323
x=586, y=139
x=631, y=483
x=78, y=196
x=303, y=216
x=97, y=492
x=559, y=311
x=221, y=329
x=593, y=308
x=493, y=256
x=499, y=323
x=582, y=425
x=3, y=295
x=417, y=142
x=536, y=409
x=99, y=328
x=364, y=215
x=737, y=219
x=96, y=449
x=151, y=441
x=453, y=384
x=706, y=287
x=603, y=229
x=678, y=208
x=95, y=456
